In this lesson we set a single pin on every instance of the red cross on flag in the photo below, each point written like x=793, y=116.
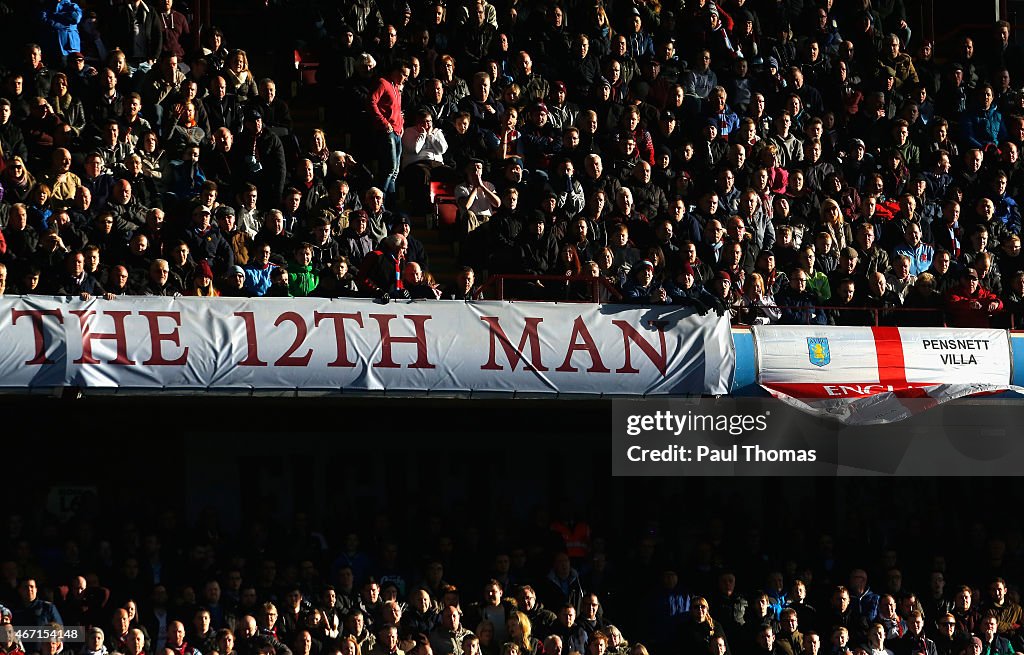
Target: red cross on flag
x=866, y=375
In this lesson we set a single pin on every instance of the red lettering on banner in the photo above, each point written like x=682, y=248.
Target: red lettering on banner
x=156, y=337
x=288, y=359
x=252, y=356
x=514, y=354
x=845, y=390
x=386, y=339
x=629, y=333
x=339, y=334
x=579, y=330
x=848, y=390
x=119, y=336
x=37, y=316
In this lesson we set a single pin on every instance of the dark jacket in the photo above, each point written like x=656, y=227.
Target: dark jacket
x=269, y=175
x=224, y=113
x=122, y=26
x=798, y=308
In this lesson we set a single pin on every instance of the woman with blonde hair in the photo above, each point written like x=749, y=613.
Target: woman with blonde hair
x=757, y=305
x=117, y=61
x=617, y=644
x=485, y=632
x=239, y=77
x=202, y=282
x=318, y=153
x=349, y=646
x=699, y=628
x=832, y=221
x=520, y=633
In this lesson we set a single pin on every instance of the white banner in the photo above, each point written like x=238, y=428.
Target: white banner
x=864, y=375
x=363, y=345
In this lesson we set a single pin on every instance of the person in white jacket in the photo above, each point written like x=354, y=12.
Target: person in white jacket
x=423, y=148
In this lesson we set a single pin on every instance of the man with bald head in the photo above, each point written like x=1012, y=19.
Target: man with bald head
x=176, y=640
x=251, y=638
x=650, y=199
x=129, y=214
x=62, y=182
x=117, y=639
x=415, y=282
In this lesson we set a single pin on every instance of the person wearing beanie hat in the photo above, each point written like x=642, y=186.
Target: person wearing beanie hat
x=201, y=283
x=683, y=289
x=642, y=287
x=232, y=285
x=561, y=113
x=724, y=294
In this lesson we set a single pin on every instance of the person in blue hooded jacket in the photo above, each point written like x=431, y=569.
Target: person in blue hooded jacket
x=60, y=28
x=983, y=125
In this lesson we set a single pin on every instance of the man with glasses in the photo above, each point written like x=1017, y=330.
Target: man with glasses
x=799, y=305
x=992, y=643
x=949, y=640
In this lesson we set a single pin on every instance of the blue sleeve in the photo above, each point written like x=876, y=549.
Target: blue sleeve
x=967, y=131
x=55, y=614
x=70, y=13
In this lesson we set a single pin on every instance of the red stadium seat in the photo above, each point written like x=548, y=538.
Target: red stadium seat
x=441, y=191
x=306, y=67
x=446, y=214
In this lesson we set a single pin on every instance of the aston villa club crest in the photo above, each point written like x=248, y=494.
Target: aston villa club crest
x=817, y=351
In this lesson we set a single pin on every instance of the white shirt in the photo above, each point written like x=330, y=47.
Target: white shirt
x=419, y=145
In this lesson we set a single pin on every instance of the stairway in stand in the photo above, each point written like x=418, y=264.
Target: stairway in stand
x=442, y=260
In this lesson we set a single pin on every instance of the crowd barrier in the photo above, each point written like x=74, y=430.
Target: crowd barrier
x=476, y=349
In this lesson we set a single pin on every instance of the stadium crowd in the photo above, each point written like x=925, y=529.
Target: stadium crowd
x=782, y=161
x=548, y=588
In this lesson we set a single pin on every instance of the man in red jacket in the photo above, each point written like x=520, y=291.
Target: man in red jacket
x=969, y=304
x=386, y=115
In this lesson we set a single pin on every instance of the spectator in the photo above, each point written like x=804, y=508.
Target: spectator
x=969, y=304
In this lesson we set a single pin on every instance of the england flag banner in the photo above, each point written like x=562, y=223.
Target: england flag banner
x=870, y=375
